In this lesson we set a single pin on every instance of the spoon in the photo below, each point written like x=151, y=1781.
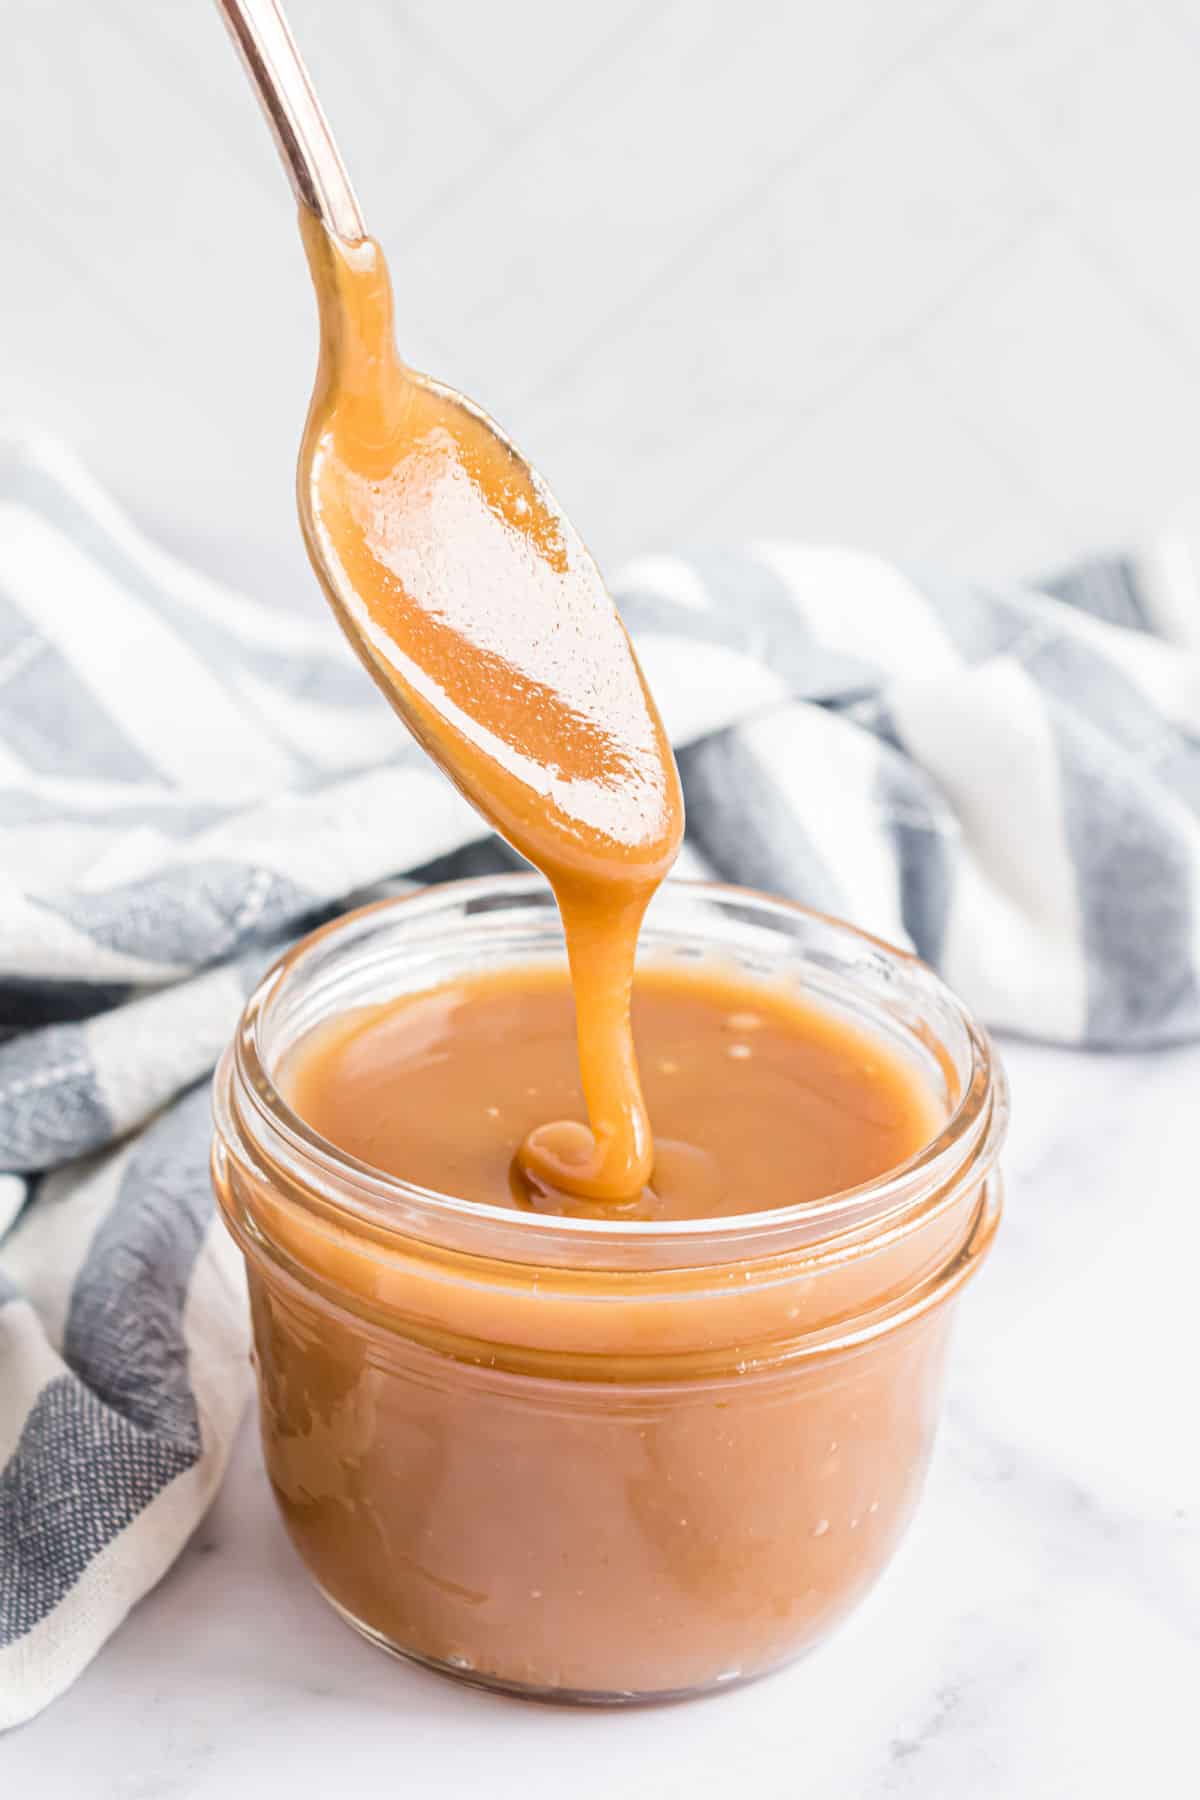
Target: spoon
x=475, y=606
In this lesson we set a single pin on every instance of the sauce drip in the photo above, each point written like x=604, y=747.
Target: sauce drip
x=477, y=609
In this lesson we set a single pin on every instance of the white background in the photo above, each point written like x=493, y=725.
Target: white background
x=918, y=274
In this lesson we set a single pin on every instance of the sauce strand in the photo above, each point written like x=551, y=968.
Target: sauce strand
x=475, y=606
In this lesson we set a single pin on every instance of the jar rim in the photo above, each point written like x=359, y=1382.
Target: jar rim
x=968, y=1141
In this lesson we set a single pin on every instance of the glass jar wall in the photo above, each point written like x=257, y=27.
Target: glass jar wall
x=591, y=1458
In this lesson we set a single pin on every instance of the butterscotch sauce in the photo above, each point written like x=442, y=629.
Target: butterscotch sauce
x=759, y=1099
x=642, y=1462
x=559, y=1457
x=479, y=612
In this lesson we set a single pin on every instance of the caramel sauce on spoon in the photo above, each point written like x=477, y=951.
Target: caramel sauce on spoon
x=473, y=603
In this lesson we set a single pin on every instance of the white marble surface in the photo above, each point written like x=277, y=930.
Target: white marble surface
x=1039, y=1634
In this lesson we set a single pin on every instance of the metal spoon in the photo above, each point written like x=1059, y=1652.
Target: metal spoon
x=267, y=48
x=473, y=602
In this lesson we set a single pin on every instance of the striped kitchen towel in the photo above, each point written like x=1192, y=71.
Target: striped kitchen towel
x=1007, y=779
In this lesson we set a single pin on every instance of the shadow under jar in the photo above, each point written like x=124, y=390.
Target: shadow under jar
x=599, y=1460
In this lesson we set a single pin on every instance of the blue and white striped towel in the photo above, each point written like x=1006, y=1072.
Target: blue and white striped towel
x=1009, y=781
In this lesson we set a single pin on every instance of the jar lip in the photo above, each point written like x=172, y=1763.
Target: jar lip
x=970, y=1136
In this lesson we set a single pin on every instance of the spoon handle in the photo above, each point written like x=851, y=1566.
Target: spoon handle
x=272, y=61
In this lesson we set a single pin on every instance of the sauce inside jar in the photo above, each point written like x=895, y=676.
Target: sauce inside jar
x=759, y=1099
x=588, y=1455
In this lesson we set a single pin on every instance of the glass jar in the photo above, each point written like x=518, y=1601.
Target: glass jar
x=598, y=1460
